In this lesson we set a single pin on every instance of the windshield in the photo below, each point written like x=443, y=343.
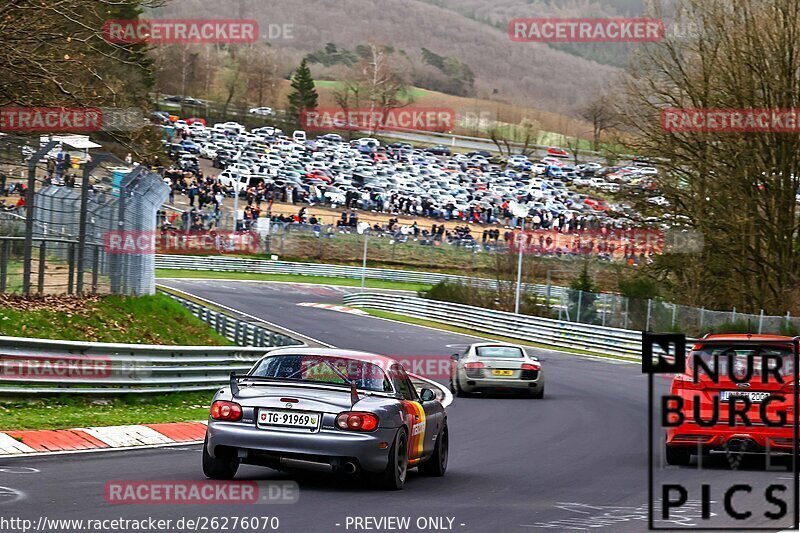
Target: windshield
x=739, y=356
x=324, y=369
x=500, y=352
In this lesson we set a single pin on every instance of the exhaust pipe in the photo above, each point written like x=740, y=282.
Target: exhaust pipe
x=349, y=468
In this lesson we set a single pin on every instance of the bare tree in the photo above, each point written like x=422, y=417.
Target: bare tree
x=736, y=188
x=376, y=85
x=515, y=138
x=601, y=114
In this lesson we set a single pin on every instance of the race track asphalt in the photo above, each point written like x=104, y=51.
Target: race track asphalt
x=574, y=461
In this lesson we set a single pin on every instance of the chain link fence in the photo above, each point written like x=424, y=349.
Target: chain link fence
x=54, y=236
x=613, y=310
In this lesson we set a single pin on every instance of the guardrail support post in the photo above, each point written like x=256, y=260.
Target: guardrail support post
x=649, y=309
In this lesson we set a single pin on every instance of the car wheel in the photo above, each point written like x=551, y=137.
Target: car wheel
x=394, y=477
x=218, y=467
x=536, y=395
x=677, y=456
x=436, y=466
x=459, y=392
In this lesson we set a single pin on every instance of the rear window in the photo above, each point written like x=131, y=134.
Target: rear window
x=739, y=356
x=324, y=369
x=499, y=351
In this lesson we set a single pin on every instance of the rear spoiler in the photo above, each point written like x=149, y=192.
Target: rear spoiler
x=235, y=389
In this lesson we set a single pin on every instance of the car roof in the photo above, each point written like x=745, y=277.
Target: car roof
x=334, y=352
x=744, y=336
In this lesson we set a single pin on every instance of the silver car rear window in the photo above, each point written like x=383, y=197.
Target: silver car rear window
x=499, y=351
x=324, y=369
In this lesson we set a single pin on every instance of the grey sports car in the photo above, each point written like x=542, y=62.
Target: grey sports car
x=330, y=411
x=496, y=366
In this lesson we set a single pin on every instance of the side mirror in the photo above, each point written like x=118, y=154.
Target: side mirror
x=427, y=395
x=454, y=357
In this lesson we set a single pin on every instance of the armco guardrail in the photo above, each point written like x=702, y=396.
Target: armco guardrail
x=556, y=333
x=235, y=264
x=241, y=332
x=44, y=366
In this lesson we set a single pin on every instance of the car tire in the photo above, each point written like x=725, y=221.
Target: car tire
x=436, y=466
x=459, y=392
x=394, y=477
x=677, y=456
x=218, y=467
x=536, y=395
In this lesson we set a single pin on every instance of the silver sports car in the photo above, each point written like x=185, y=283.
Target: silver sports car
x=498, y=366
x=329, y=411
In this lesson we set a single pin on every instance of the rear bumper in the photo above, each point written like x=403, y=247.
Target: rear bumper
x=759, y=439
x=335, y=447
x=469, y=384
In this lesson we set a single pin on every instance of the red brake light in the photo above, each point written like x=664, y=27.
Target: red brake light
x=474, y=365
x=530, y=366
x=222, y=410
x=356, y=421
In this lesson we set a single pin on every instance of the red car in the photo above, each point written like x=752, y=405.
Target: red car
x=597, y=205
x=192, y=120
x=557, y=152
x=319, y=175
x=699, y=424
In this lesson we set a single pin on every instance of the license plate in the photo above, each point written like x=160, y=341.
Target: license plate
x=754, y=396
x=270, y=417
x=502, y=372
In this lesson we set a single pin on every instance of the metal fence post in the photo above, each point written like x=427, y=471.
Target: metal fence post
x=30, y=199
x=674, y=310
x=580, y=298
x=733, y=316
x=604, y=306
x=702, y=317
x=627, y=301
x=760, y=321
x=649, y=309
x=95, y=268
x=3, y=265
x=71, y=263
x=42, y=265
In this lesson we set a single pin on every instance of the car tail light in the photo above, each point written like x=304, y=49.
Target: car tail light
x=356, y=421
x=530, y=366
x=474, y=365
x=222, y=410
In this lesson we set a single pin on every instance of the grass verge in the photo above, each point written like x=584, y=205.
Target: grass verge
x=156, y=319
x=466, y=331
x=70, y=412
x=322, y=280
